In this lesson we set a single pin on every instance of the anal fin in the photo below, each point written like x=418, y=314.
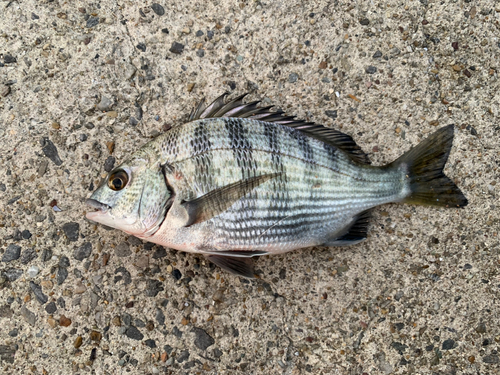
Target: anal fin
x=355, y=234
x=240, y=266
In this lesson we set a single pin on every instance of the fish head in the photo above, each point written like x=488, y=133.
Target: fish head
x=134, y=197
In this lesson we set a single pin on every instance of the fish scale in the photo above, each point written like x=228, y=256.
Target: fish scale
x=260, y=182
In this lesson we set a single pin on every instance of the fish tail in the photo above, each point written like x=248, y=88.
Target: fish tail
x=426, y=184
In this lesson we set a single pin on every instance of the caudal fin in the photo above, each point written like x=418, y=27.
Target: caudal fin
x=424, y=172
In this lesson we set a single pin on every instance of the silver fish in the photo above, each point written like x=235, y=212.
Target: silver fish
x=238, y=181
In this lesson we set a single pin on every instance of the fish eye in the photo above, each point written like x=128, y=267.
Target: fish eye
x=118, y=180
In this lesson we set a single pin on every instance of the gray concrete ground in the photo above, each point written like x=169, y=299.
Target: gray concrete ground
x=82, y=84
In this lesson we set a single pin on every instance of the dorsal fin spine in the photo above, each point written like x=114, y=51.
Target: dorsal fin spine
x=236, y=108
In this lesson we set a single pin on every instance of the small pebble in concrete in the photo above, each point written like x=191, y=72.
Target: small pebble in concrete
x=51, y=308
x=62, y=275
x=332, y=114
x=28, y=315
x=202, y=339
x=133, y=333
x=71, y=230
x=123, y=250
x=177, y=48
x=12, y=252
x=33, y=271
x=50, y=151
x=82, y=252
x=105, y=104
x=92, y=21
x=37, y=291
x=150, y=343
x=448, y=344
x=109, y=163
x=28, y=255
x=158, y=9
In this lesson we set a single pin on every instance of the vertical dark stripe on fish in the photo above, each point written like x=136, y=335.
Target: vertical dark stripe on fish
x=200, y=144
x=270, y=133
x=241, y=146
x=304, y=146
x=171, y=145
x=243, y=153
x=331, y=151
x=307, y=154
x=200, y=141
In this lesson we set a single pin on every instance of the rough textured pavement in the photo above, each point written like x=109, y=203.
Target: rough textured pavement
x=82, y=84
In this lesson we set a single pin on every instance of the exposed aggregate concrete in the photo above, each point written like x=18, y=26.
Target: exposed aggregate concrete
x=83, y=84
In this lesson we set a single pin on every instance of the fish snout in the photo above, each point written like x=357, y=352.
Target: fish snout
x=101, y=210
x=96, y=204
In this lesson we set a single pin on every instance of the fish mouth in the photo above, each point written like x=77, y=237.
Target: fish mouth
x=100, y=207
x=96, y=204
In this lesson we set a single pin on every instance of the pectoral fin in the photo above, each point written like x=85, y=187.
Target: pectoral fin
x=219, y=200
x=240, y=266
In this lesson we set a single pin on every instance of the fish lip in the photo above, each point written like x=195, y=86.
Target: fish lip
x=98, y=205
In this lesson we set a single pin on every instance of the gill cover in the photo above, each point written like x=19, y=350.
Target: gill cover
x=155, y=201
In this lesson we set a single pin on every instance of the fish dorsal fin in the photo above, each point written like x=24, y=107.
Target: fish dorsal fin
x=335, y=138
x=236, y=108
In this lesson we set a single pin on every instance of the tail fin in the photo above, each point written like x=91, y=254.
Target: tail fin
x=424, y=172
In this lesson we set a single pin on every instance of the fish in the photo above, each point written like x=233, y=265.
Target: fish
x=239, y=181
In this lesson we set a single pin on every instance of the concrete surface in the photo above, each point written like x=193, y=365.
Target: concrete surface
x=82, y=81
